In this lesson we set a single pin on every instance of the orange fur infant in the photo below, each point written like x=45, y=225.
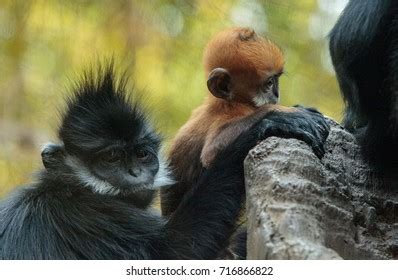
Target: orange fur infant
x=243, y=70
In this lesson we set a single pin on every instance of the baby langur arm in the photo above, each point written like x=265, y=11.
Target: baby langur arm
x=52, y=155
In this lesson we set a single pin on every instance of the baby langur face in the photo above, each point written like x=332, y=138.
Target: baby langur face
x=268, y=91
x=113, y=170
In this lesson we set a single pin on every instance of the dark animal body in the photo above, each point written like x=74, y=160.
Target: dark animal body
x=364, y=51
x=92, y=200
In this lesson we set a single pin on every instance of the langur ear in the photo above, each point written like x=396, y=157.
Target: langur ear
x=52, y=155
x=219, y=83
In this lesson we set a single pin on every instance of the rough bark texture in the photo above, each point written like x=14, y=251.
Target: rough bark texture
x=301, y=207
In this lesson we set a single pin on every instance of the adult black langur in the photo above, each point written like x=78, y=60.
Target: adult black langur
x=364, y=51
x=88, y=203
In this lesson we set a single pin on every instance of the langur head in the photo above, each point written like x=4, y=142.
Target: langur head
x=107, y=142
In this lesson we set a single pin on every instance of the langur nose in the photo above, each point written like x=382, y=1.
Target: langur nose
x=275, y=91
x=135, y=172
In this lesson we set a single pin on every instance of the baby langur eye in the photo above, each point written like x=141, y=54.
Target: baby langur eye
x=269, y=83
x=142, y=154
x=111, y=157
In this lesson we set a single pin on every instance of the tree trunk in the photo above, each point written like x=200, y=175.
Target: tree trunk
x=302, y=207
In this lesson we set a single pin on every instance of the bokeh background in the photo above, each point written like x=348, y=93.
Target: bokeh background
x=45, y=44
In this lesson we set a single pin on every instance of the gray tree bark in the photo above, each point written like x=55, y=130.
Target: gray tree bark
x=302, y=207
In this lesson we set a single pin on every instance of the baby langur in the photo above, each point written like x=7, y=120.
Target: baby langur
x=243, y=71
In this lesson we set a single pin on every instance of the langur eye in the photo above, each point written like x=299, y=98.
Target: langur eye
x=142, y=154
x=268, y=83
x=111, y=157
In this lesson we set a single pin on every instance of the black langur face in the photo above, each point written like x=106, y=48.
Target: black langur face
x=108, y=145
x=119, y=168
x=131, y=167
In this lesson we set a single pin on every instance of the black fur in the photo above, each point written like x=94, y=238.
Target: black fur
x=364, y=51
x=100, y=107
x=61, y=217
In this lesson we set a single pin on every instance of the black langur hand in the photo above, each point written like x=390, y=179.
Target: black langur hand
x=306, y=124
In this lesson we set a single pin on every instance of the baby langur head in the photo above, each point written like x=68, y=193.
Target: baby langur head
x=243, y=67
x=107, y=143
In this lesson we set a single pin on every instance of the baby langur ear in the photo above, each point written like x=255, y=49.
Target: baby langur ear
x=52, y=155
x=219, y=83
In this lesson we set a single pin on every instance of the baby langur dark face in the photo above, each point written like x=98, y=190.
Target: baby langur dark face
x=268, y=92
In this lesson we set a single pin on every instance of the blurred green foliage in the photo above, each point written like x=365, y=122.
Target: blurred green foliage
x=46, y=44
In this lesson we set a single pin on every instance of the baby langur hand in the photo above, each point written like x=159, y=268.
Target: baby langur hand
x=52, y=155
x=306, y=124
